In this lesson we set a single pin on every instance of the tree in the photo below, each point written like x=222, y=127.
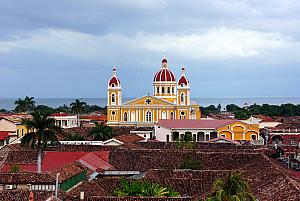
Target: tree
x=44, y=109
x=101, y=132
x=20, y=105
x=77, y=106
x=74, y=137
x=42, y=131
x=30, y=103
x=15, y=168
x=143, y=188
x=232, y=188
x=242, y=114
x=190, y=163
x=232, y=108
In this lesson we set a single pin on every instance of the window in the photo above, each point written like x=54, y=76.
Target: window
x=164, y=115
x=253, y=137
x=125, y=116
x=113, y=85
x=22, y=131
x=293, y=140
x=148, y=116
x=171, y=115
x=223, y=135
x=182, y=98
x=113, y=98
x=157, y=90
x=182, y=115
x=169, y=90
x=173, y=90
x=163, y=90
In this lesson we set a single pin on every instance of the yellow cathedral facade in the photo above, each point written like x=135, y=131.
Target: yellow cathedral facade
x=170, y=100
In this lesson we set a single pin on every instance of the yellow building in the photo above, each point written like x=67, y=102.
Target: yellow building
x=170, y=100
x=14, y=125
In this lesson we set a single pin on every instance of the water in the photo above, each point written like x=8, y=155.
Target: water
x=8, y=103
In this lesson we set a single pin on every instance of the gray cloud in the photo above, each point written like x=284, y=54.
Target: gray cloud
x=230, y=48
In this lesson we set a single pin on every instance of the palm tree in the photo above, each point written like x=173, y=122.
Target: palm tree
x=77, y=106
x=20, y=105
x=30, y=103
x=143, y=188
x=232, y=188
x=42, y=132
x=101, y=132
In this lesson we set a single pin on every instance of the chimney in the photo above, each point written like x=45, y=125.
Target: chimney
x=81, y=195
x=31, y=196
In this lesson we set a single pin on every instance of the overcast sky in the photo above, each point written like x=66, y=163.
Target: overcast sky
x=67, y=48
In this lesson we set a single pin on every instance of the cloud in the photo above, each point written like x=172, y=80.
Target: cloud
x=219, y=43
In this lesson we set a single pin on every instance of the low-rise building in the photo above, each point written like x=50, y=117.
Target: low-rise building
x=65, y=120
x=205, y=130
x=27, y=181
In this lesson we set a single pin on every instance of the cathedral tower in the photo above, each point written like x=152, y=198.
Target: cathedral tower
x=164, y=83
x=114, y=90
x=183, y=89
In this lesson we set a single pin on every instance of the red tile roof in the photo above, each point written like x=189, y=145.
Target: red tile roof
x=195, y=124
x=26, y=178
x=94, y=162
x=101, y=117
x=62, y=115
x=129, y=138
x=218, y=139
x=4, y=135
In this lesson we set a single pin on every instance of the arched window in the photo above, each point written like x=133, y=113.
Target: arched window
x=112, y=85
x=169, y=90
x=182, y=115
x=157, y=90
x=132, y=117
x=148, y=116
x=125, y=116
x=182, y=97
x=164, y=115
x=163, y=90
x=113, y=98
x=173, y=90
x=171, y=115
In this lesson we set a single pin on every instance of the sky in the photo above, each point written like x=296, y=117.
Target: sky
x=67, y=48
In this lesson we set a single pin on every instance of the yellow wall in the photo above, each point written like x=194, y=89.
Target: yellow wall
x=239, y=131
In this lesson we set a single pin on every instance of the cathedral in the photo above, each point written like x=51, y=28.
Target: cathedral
x=170, y=100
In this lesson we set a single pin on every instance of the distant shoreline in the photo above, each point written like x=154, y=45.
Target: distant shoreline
x=8, y=103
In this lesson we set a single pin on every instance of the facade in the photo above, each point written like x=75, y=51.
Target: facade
x=205, y=130
x=65, y=120
x=170, y=100
x=13, y=125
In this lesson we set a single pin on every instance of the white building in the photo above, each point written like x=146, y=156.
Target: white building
x=65, y=120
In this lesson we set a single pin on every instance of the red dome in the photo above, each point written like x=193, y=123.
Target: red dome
x=164, y=75
x=114, y=80
x=183, y=80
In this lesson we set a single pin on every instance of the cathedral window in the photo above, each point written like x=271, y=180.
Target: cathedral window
x=182, y=115
x=173, y=90
x=164, y=115
x=171, y=115
x=182, y=97
x=125, y=116
x=163, y=90
x=157, y=90
x=148, y=116
x=169, y=91
x=112, y=85
x=113, y=98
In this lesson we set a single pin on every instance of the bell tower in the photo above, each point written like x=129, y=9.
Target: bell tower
x=114, y=90
x=183, y=89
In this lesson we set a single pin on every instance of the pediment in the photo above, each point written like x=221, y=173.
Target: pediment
x=148, y=100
